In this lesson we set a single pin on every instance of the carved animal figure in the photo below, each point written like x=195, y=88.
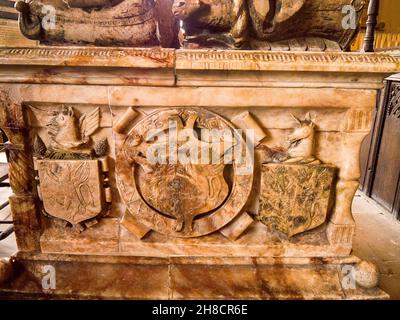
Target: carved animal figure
x=182, y=191
x=301, y=145
x=132, y=23
x=302, y=141
x=245, y=22
x=68, y=133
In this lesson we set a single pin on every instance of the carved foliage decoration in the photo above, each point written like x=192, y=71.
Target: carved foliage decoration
x=182, y=200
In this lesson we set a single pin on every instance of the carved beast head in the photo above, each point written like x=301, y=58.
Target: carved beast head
x=183, y=9
x=305, y=129
x=65, y=117
x=63, y=124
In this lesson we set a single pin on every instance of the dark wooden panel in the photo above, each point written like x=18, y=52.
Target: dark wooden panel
x=397, y=202
x=8, y=15
x=386, y=180
x=7, y=3
x=376, y=135
x=6, y=12
x=365, y=151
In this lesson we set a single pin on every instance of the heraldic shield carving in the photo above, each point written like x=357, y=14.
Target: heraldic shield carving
x=72, y=171
x=184, y=173
x=71, y=190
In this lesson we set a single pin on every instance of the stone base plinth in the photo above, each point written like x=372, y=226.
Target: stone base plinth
x=112, y=277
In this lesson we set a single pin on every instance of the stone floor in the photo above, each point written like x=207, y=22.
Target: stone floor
x=377, y=240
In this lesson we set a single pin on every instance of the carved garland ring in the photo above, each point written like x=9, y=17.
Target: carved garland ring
x=181, y=200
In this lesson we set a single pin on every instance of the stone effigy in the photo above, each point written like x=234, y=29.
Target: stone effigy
x=296, y=25
x=142, y=173
x=126, y=23
x=299, y=25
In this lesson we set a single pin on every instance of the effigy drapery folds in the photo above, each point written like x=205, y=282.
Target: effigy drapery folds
x=225, y=169
x=297, y=25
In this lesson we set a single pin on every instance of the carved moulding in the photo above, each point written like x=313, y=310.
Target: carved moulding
x=181, y=200
x=73, y=182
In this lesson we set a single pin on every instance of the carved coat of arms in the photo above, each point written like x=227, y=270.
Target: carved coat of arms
x=71, y=181
x=183, y=198
x=71, y=189
x=184, y=191
x=295, y=198
x=295, y=190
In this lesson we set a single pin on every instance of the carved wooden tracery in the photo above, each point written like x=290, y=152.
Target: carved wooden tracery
x=394, y=102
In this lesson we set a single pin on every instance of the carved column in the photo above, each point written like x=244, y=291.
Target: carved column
x=23, y=200
x=356, y=127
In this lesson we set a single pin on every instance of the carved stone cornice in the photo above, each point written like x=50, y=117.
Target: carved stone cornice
x=91, y=57
x=285, y=61
x=201, y=59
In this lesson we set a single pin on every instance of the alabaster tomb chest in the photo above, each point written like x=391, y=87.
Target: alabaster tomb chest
x=185, y=149
x=88, y=125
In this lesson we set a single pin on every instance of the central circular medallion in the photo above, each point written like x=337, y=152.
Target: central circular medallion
x=184, y=173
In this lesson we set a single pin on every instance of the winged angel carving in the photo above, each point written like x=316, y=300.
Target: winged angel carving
x=68, y=133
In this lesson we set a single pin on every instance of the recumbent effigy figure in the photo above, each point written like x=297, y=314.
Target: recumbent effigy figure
x=300, y=25
x=128, y=23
